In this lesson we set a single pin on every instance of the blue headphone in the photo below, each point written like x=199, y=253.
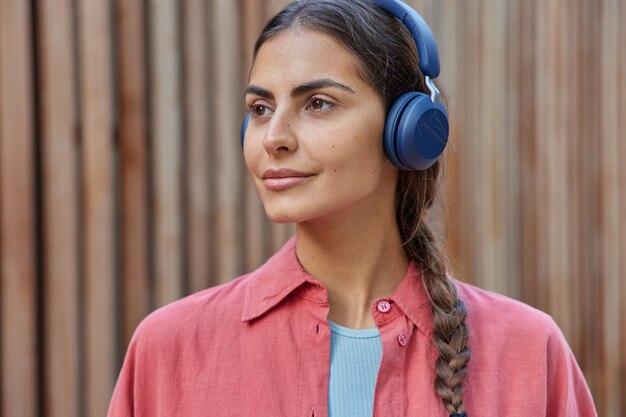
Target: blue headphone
x=416, y=129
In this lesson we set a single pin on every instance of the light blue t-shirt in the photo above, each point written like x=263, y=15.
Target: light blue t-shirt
x=355, y=356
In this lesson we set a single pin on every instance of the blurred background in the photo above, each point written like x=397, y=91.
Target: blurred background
x=122, y=184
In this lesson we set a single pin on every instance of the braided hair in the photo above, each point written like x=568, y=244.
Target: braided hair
x=389, y=63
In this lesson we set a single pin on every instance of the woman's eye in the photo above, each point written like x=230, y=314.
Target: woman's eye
x=259, y=110
x=317, y=104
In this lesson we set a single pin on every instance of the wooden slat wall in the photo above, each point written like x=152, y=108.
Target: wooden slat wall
x=611, y=216
x=619, y=83
x=537, y=186
x=166, y=148
x=198, y=121
x=58, y=126
x=123, y=187
x=97, y=193
x=227, y=161
x=18, y=255
x=132, y=119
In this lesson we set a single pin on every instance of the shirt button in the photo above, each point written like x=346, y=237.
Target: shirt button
x=384, y=306
x=402, y=339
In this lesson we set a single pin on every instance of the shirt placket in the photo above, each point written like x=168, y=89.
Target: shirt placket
x=395, y=332
x=314, y=363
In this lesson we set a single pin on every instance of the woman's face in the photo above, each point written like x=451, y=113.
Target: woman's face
x=313, y=145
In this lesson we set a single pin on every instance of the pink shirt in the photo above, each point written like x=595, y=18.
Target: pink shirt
x=260, y=346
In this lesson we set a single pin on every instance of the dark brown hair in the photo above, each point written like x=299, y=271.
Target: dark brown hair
x=389, y=63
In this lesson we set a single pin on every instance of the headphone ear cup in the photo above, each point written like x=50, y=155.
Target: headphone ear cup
x=391, y=124
x=416, y=132
x=244, y=127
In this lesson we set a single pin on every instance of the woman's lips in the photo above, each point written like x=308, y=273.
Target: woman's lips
x=282, y=179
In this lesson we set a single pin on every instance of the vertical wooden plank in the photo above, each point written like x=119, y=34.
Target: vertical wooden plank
x=167, y=149
x=274, y=6
x=581, y=203
x=542, y=105
x=462, y=250
x=197, y=121
x=485, y=210
x=228, y=159
x=491, y=171
x=621, y=89
x=98, y=196
x=589, y=128
x=555, y=142
x=475, y=154
x=448, y=34
x=566, y=192
x=579, y=244
x=18, y=288
x=133, y=142
x=473, y=190
x=568, y=154
x=60, y=213
x=541, y=199
x=527, y=158
x=511, y=31
x=611, y=191
x=573, y=153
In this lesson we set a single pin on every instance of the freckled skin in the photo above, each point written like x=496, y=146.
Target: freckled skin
x=341, y=146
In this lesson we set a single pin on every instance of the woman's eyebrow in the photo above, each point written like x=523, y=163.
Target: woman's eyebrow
x=301, y=89
x=259, y=91
x=322, y=83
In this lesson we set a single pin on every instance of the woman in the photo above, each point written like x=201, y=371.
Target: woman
x=356, y=315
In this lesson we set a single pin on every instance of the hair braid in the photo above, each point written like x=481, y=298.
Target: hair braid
x=450, y=334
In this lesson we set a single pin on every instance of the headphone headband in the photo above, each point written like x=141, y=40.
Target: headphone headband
x=422, y=35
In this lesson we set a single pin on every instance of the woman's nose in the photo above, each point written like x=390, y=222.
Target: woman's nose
x=280, y=137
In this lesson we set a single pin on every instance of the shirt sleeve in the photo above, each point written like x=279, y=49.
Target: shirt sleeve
x=122, y=401
x=568, y=393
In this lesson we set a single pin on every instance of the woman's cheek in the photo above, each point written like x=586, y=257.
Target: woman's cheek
x=252, y=156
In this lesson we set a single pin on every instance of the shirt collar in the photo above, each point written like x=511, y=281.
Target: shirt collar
x=273, y=281
x=413, y=300
x=282, y=274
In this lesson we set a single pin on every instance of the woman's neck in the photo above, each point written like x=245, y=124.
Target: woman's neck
x=358, y=263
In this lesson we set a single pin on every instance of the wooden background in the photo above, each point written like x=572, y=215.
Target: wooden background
x=122, y=185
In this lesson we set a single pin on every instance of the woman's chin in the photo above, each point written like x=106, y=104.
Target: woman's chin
x=281, y=216
x=291, y=214
x=281, y=220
